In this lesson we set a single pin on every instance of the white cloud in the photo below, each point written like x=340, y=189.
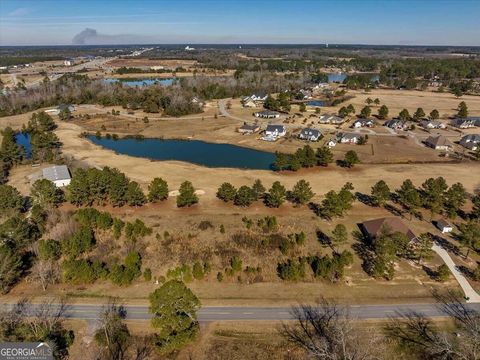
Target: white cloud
x=22, y=11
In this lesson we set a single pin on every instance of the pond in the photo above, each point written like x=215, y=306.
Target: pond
x=140, y=82
x=193, y=151
x=23, y=139
x=315, y=103
x=336, y=77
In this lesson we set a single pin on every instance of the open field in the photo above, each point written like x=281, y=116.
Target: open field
x=397, y=100
x=188, y=243
x=167, y=63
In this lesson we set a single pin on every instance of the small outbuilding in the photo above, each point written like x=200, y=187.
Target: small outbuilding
x=248, y=129
x=444, y=226
x=58, y=174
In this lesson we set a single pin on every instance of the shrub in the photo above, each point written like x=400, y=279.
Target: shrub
x=292, y=270
x=147, y=274
x=443, y=273
x=49, y=249
x=78, y=272
x=82, y=241
x=198, y=271
x=219, y=276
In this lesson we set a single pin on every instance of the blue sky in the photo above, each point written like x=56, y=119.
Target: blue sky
x=427, y=22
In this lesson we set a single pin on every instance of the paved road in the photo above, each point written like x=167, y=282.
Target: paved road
x=208, y=314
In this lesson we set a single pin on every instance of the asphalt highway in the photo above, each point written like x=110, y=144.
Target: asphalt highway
x=209, y=314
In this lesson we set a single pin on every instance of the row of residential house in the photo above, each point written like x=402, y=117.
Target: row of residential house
x=440, y=142
x=463, y=123
x=275, y=131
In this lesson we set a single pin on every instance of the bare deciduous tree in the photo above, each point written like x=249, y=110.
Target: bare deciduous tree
x=46, y=272
x=327, y=332
x=415, y=333
x=112, y=334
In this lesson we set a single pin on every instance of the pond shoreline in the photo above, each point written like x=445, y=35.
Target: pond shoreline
x=198, y=152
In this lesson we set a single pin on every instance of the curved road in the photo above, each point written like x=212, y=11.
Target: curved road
x=209, y=314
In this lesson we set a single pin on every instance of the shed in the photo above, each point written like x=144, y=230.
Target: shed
x=58, y=174
x=444, y=226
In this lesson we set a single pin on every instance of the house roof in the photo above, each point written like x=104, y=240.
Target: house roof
x=394, y=122
x=433, y=122
x=310, y=132
x=259, y=94
x=273, y=128
x=252, y=127
x=463, y=121
x=348, y=136
x=442, y=223
x=363, y=121
x=438, y=140
x=56, y=172
x=394, y=224
x=267, y=112
x=475, y=138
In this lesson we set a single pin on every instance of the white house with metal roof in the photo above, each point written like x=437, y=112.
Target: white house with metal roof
x=58, y=174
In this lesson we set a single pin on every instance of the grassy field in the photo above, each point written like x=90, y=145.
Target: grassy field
x=397, y=100
x=188, y=243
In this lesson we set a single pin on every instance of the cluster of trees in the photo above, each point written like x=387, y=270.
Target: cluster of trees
x=345, y=111
x=89, y=186
x=79, y=89
x=434, y=195
x=187, y=273
x=306, y=157
x=10, y=153
x=335, y=204
x=18, y=233
x=44, y=143
x=109, y=185
x=281, y=103
x=300, y=194
x=326, y=267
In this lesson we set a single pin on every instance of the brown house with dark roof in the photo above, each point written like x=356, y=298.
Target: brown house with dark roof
x=439, y=143
x=373, y=228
